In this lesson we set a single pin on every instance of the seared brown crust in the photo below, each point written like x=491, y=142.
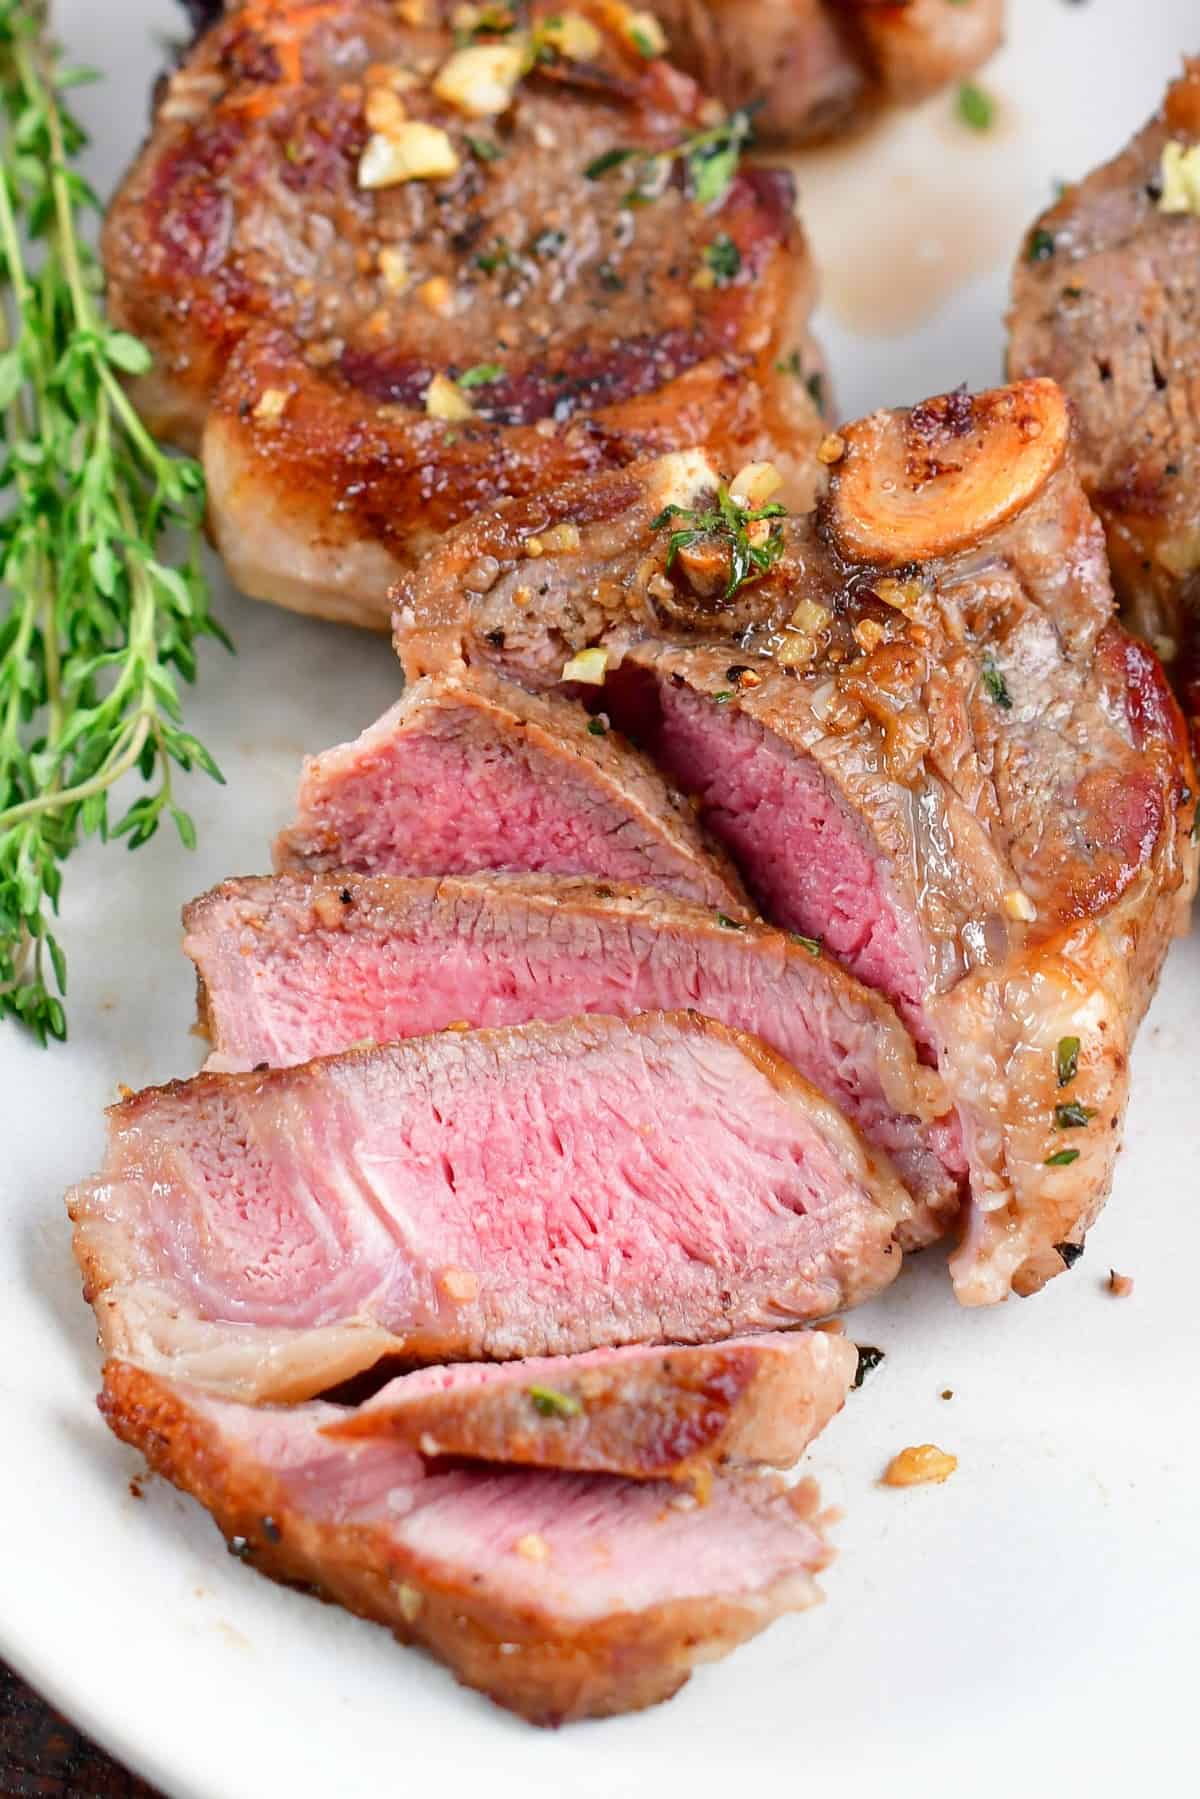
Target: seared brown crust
x=243, y=250
x=939, y=639
x=662, y=1414
x=557, y=1670
x=1106, y=298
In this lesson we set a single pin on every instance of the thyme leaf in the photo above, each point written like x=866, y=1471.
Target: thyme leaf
x=751, y=552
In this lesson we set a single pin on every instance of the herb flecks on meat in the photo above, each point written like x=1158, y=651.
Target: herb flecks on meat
x=749, y=538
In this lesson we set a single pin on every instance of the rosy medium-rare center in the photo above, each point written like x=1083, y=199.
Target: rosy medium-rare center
x=538, y=1190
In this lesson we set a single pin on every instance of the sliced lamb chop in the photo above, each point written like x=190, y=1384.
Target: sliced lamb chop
x=533, y=1191
x=1106, y=298
x=810, y=67
x=290, y=969
x=921, y=734
x=471, y=772
x=651, y=1414
x=558, y=1595
x=386, y=278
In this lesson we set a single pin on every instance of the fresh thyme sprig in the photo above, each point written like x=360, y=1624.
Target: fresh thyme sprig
x=97, y=630
x=752, y=550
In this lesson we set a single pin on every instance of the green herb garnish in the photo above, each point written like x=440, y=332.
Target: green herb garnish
x=597, y=727
x=548, y=243
x=729, y=525
x=1062, y=1158
x=482, y=375
x=484, y=148
x=608, y=159
x=710, y=159
x=500, y=256
x=1066, y=1058
x=995, y=686
x=975, y=107
x=723, y=697
x=97, y=630
x=1040, y=247
x=550, y=1403
x=724, y=258
x=811, y=944
x=1071, y=1116
x=729, y=924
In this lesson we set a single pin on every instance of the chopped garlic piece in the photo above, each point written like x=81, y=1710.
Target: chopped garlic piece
x=413, y=152
x=561, y=537
x=573, y=36
x=1180, y=179
x=869, y=634
x=1018, y=905
x=393, y=266
x=797, y=650
x=589, y=665
x=413, y=12
x=410, y=1601
x=443, y=400
x=757, y=483
x=271, y=405
x=810, y=617
x=428, y=1444
x=459, y=1284
x=482, y=79
x=533, y=1547
x=918, y=1466
x=437, y=295
x=384, y=110
x=831, y=449
x=679, y=479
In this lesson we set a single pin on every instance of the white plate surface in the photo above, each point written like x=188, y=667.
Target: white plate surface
x=1031, y=1624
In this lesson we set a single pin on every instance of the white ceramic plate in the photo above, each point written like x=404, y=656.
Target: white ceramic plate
x=1032, y=1622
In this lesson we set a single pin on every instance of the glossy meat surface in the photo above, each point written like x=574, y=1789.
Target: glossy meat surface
x=929, y=690
x=558, y=1595
x=366, y=359
x=539, y=1190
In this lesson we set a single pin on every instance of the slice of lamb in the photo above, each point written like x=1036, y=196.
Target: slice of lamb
x=533, y=1191
x=649, y=1414
x=370, y=341
x=471, y=772
x=1105, y=298
x=289, y=969
x=558, y=1595
x=922, y=734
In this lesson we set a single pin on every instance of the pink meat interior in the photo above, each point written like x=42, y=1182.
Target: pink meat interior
x=448, y=795
x=283, y=988
x=540, y=1192
x=806, y=860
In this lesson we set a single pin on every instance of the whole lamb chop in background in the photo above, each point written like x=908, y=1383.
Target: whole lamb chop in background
x=813, y=66
x=1106, y=298
x=391, y=271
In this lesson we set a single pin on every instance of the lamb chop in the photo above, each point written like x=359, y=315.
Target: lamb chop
x=813, y=66
x=540, y=1190
x=388, y=276
x=1106, y=298
x=914, y=722
x=558, y=1595
x=289, y=969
